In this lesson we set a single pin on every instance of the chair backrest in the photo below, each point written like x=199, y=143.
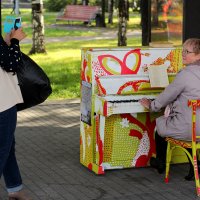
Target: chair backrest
x=194, y=104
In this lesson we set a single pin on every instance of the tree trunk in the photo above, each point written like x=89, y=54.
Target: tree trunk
x=110, y=11
x=103, y=24
x=154, y=4
x=145, y=6
x=85, y=2
x=38, y=27
x=127, y=10
x=122, y=24
x=74, y=2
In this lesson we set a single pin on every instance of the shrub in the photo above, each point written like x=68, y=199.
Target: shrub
x=56, y=5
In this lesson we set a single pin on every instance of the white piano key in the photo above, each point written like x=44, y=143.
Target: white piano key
x=119, y=106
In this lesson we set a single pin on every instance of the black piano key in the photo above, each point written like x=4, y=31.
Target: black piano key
x=126, y=101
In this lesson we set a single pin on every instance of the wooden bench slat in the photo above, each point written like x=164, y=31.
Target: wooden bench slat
x=79, y=13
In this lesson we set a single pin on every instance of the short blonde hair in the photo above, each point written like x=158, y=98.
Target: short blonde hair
x=194, y=43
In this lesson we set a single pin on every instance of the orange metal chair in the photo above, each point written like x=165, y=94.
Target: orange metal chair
x=194, y=145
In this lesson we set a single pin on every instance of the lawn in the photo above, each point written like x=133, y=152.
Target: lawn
x=62, y=63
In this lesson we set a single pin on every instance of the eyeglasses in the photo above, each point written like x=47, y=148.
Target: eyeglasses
x=185, y=51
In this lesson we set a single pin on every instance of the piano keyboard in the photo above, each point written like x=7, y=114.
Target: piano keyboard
x=119, y=104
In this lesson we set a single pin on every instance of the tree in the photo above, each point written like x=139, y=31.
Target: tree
x=100, y=18
x=122, y=24
x=57, y=5
x=103, y=24
x=74, y=2
x=38, y=45
x=110, y=11
x=136, y=5
x=154, y=5
x=145, y=6
x=85, y=2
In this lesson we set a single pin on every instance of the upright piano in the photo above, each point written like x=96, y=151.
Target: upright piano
x=115, y=130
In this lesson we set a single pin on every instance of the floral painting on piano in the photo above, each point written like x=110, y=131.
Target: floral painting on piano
x=121, y=134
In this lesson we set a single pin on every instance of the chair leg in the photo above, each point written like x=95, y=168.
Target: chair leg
x=196, y=173
x=168, y=161
x=190, y=175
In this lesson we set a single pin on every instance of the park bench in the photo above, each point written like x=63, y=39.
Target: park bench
x=79, y=13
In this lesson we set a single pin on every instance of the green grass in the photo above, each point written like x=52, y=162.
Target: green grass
x=50, y=29
x=62, y=63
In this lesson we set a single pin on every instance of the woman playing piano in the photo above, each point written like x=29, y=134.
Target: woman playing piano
x=176, y=121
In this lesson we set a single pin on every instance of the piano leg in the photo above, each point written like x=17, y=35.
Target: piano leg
x=100, y=127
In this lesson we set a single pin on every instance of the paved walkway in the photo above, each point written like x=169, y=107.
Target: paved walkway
x=47, y=145
x=103, y=33
x=47, y=148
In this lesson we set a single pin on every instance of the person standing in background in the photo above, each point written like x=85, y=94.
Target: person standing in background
x=14, y=6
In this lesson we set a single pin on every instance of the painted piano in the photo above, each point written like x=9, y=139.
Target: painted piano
x=115, y=130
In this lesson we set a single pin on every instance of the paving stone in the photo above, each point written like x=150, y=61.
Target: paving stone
x=47, y=149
